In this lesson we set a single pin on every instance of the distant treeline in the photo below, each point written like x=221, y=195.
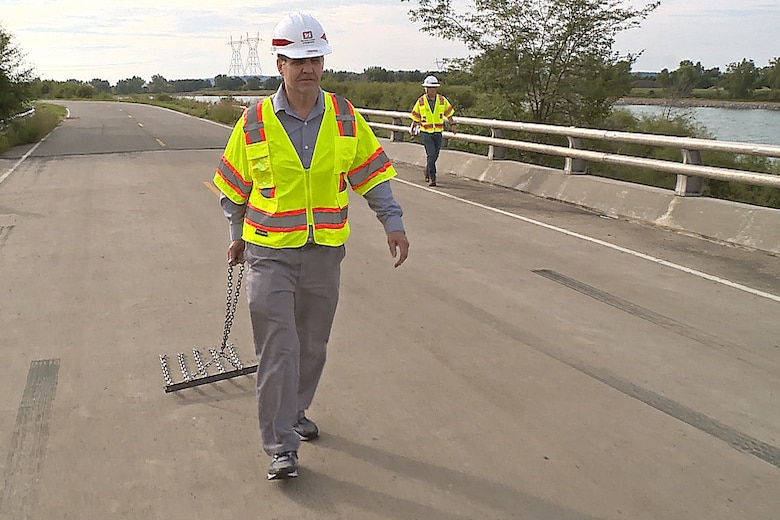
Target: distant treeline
x=742, y=80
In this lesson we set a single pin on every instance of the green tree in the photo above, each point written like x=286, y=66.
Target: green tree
x=190, y=85
x=134, y=85
x=272, y=83
x=223, y=82
x=100, y=85
x=378, y=74
x=710, y=78
x=253, y=83
x=159, y=85
x=15, y=77
x=770, y=76
x=535, y=55
x=681, y=82
x=740, y=79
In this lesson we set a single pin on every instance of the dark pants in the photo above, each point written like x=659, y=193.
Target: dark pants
x=432, y=144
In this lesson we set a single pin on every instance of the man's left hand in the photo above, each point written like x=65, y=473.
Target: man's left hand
x=397, y=241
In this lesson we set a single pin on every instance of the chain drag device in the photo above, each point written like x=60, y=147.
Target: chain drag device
x=224, y=363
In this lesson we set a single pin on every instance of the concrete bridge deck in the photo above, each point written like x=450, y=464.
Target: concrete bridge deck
x=532, y=360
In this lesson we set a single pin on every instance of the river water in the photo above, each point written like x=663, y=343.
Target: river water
x=759, y=126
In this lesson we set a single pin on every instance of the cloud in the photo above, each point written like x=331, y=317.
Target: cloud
x=714, y=32
x=180, y=39
x=184, y=39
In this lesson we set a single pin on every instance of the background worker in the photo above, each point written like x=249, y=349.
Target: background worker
x=284, y=176
x=428, y=116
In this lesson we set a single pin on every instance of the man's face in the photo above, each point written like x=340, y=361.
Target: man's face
x=301, y=75
x=430, y=92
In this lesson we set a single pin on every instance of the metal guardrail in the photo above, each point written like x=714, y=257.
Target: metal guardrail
x=29, y=112
x=690, y=172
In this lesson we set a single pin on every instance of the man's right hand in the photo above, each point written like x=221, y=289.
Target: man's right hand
x=235, y=252
x=398, y=244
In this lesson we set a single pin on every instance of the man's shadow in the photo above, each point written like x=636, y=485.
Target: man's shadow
x=315, y=490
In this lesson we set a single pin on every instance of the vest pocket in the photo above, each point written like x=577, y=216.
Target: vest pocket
x=260, y=165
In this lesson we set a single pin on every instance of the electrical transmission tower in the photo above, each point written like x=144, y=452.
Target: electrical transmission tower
x=253, y=60
x=236, y=63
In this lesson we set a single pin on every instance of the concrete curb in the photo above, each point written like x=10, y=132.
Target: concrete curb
x=734, y=223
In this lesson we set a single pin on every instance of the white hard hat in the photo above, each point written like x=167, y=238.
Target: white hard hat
x=431, y=81
x=299, y=35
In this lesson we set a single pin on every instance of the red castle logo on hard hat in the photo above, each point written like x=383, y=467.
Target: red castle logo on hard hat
x=307, y=35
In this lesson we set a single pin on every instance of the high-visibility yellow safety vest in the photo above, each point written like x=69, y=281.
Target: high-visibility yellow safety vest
x=260, y=168
x=431, y=121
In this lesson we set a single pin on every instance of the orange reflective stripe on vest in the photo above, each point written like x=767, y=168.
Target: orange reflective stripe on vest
x=330, y=218
x=282, y=222
x=234, y=179
x=254, y=130
x=375, y=165
x=345, y=116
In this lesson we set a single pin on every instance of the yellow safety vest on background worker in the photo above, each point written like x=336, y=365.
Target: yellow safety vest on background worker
x=260, y=168
x=432, y=121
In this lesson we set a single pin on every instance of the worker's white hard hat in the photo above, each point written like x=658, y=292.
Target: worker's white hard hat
x=299, y=35
x=431, y=81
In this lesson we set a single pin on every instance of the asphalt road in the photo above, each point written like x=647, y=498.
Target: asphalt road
x=531, y=360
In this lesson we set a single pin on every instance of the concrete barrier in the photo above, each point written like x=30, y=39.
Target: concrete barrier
x=734, y=223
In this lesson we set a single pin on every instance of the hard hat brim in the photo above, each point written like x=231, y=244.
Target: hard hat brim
x=430, y=82
x=295, y=54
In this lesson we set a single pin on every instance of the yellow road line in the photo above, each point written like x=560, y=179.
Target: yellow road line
x=213, y=188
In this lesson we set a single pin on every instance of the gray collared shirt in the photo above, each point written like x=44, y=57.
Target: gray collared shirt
x=303, y=135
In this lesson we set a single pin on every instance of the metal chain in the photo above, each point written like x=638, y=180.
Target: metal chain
x=231, y=357
x=230, y=306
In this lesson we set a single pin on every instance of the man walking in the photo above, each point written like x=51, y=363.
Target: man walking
x=284, y=176
x=428, y=115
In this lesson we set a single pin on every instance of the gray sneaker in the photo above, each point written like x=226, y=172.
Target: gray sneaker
x=306, y=429
x=284, y=465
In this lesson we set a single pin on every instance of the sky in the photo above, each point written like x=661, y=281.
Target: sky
x=187, y=39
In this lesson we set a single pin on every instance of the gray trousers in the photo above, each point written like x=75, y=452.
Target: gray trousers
x=292, y=295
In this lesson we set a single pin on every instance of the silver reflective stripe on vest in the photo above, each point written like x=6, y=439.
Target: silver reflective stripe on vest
x=232, y=177
x=276, y=223
x=378, y=164
x=330, y=218
x=253, y=124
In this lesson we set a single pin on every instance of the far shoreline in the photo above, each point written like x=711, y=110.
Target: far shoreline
x=694, y=102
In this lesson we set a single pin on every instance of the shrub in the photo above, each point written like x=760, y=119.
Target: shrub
x=33, y=128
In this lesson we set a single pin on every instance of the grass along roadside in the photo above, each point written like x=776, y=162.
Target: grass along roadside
x=33, y=128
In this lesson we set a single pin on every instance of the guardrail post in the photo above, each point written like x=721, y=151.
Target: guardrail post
x=496, y=153
x=690, y=185
x=397, y=136
x=576, y=166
